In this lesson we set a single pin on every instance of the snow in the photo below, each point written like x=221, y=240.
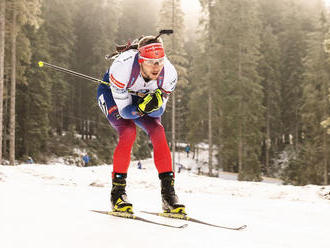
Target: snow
x=49, y=206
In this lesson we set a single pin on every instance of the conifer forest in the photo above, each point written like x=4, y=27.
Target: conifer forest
x=254, y=81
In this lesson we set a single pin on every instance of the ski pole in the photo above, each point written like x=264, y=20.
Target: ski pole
x=77, y=74
x=80, y=75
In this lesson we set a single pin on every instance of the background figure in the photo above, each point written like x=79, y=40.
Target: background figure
x=187, y=150
x=86, y=159
x=30, y=160
x=139, y=165
x=180, y=168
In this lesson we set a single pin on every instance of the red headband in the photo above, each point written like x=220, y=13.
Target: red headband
x=152, y=51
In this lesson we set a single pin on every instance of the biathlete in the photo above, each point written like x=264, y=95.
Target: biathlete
x=141, y=80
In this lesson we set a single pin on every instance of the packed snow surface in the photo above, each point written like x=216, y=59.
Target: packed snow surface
x=49, y=206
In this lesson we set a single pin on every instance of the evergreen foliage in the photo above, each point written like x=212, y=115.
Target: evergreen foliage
x=235, y=85
x=172, y=17
x=34, y=100
x=315, y=152
x=263, y=63
x=269, y=71
x=137, y=18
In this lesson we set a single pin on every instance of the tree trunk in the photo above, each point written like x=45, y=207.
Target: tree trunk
x=173, y=95
x=325, y=114
x=2, y=66
x=268, y=139
x=210, y=129
x=220, y=163
x=296, y=141
x=6, y=122
x=210, y=93
x=13, y=90
x=240, y=149
x=325, y=159
x=240, y=114
x=268, y=145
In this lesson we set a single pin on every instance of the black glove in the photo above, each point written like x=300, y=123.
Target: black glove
x=150, y=102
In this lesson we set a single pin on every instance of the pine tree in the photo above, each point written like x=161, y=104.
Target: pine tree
x=59, y=25
x=92, y=45
x=293, y=50
x=171, y=16
x=237, y=87
x=197, y=128
x=202, y=57
x=269, y=71
x=316, y=106
x=34, y=104
x=310, y=161
x=250, y=96
x=229, y=46
x=22, y=13
x=12, y=123
x=210, y=68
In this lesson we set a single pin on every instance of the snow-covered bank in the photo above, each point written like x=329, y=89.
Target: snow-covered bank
x=48, y=206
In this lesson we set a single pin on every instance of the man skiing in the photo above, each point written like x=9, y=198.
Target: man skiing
x=141, y=79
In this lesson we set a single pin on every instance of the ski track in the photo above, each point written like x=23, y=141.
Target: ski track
x=48, y=206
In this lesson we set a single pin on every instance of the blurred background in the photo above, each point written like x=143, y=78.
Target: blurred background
x=253, y=89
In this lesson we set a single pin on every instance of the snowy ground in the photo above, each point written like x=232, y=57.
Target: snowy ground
x=48, y=206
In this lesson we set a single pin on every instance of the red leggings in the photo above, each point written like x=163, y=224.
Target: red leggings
x=127, y=134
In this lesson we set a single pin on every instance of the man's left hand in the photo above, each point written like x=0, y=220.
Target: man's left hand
x=150, y=102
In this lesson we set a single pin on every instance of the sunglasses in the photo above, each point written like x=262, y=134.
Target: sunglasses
x=159, y=61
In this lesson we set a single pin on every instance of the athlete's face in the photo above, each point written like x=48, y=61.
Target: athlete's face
x=151, y=68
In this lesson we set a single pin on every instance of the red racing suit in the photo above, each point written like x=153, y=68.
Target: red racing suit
x=119, y=103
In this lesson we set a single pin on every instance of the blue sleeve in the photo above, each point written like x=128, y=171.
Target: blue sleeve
x=106, y=76
x=157, y=113
x=130, y=112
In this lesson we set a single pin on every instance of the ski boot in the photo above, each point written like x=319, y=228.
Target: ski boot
x=119, y=200
x=169, y=198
